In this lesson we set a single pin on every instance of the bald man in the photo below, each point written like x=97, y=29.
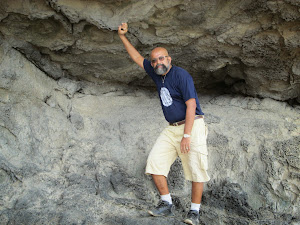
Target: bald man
x=184, y=137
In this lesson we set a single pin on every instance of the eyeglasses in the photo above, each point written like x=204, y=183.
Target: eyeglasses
x=160, y=58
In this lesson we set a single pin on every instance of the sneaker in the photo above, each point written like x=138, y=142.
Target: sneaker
x=192, y=217
x=162, y=209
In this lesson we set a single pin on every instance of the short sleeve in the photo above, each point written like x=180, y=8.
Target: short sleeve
x=147, y=66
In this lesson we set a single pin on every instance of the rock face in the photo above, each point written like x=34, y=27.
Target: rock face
x=243, y=46
x=78, y=118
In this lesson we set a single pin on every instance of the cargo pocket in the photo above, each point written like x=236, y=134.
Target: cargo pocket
x=199, y=167
x=203, y=161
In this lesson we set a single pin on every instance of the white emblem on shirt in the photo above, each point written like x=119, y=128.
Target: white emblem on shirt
x=165, y=97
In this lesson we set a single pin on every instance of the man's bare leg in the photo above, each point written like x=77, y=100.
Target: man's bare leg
x=161, y=184
x=197, y=190
x=165, y=207
x=193, y=215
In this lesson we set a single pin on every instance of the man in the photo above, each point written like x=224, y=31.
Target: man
x=184, y=137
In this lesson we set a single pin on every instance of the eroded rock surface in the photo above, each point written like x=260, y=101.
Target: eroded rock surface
x=249, y=47
x=74, y=152
x=78, y=118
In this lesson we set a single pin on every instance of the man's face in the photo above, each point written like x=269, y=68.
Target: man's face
x=160, y=61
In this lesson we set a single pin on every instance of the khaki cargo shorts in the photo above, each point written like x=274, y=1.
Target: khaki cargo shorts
x=167, y=148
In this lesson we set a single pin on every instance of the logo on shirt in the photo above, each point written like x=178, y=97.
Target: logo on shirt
x=165, y=97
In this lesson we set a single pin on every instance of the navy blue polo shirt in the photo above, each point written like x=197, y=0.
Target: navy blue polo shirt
x=178, y=87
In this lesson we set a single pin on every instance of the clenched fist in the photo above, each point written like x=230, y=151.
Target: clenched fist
x=123, y=28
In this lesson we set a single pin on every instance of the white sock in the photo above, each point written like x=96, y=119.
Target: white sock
x=166, y=198
x=195, y=206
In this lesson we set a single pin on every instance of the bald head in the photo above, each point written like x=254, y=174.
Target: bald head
x=158, y=52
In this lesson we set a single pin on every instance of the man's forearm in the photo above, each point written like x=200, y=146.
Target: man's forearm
x=189, y=119
x=189, y=122
x=190, y=115
x=133, y=53
x=129, y=47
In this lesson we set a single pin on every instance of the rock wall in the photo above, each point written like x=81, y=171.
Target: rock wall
x=241, y=46
x=78, y=118
x=73, y=155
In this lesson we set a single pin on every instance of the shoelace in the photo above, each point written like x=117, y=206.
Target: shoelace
x=161, y=203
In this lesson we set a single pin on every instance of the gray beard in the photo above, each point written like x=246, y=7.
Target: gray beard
x=161, y=70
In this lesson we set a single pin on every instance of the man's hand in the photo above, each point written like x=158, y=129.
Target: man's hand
x=123, y=28
x=185, y=145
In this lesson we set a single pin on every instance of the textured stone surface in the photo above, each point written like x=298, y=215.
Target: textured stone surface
x=74, y=152
x=78, y=117
x=239, y=46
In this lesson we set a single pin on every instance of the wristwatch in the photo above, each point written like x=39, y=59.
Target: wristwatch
x=186, y=135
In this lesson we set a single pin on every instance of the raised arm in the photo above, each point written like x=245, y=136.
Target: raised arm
x=133, y=53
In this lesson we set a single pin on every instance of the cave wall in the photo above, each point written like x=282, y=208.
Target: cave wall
x=247, y=47
x=78, y=118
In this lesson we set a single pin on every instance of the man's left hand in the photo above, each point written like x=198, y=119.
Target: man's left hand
x=185, y=145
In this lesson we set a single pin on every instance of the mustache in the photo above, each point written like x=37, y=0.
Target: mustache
x=164, y=66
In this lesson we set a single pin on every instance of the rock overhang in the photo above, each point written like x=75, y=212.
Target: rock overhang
x=245, y=47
